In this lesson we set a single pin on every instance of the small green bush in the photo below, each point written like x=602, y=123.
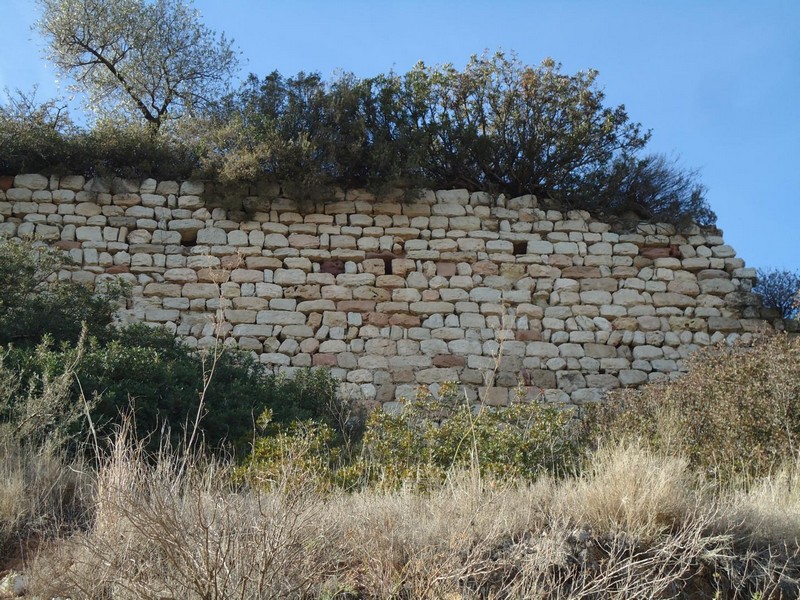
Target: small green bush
x=34, y=303
x=736, y=411
x=434, y=434
x=50, y=327
x=421, y=445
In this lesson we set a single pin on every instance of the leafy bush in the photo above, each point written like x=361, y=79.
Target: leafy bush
x=778, y=289
x=429, y=439
x=167, y=387
x=498, y=125
x=34, y=303
x=41, y=137
x=737, y=410
x=140, y=368
x=432, y=435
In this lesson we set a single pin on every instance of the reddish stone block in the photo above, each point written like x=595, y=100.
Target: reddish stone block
x=334, y=267
x=449, y=360
x=324, y=360
x=404, y=320
x=6, y=182
x=362, y=306
x=673, y=251
x=67, y=245
x=377, y=319
x=232, y=261
x=485, y=267
x=528, y=335
x=116, y=269
x=561, y=261
x=580, y=272
x=446, y=269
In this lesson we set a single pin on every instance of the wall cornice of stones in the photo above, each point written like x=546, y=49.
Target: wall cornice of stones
x=500, y=294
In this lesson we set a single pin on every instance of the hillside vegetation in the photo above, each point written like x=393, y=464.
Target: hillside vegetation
x=684, y=489
x=496, y=125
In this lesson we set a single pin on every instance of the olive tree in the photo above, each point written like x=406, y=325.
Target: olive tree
x=152, y=60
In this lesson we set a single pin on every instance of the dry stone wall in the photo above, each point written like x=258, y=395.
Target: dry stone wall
x=508, y=297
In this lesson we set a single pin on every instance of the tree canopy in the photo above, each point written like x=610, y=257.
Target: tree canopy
x=153, y=61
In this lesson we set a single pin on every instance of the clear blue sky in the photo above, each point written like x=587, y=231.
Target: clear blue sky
x=718, y=82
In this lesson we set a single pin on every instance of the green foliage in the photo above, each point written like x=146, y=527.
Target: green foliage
x=432, y=435
x=778, y=289
x=38, y=411
x=423, y=444
x=148, y=373
x=34, y=303
x=737, y=410
x=55, y=332
x=498, y=125
x=35, y=136
x=40, y=137
x=303, y=453
x=150, y=61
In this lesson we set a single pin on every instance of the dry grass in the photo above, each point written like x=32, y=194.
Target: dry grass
x=636, y=525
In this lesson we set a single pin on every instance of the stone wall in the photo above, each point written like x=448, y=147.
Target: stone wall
x=497, y=293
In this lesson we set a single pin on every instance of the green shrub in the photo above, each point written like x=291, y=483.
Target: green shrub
x=140, y=369
x=497, y=125
x=432, y=435
x=35, y=303
x=736, y=411
x=150, y=374
x=421, y=445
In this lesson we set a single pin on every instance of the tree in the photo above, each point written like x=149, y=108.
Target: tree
x=152, y=60
x=778, y=289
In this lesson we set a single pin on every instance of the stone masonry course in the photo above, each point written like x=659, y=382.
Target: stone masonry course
x=507, y=297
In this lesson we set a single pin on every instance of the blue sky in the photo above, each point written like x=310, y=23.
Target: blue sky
x=718, y=82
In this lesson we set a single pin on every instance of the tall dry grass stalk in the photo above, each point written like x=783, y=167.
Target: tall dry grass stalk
x=635, y=526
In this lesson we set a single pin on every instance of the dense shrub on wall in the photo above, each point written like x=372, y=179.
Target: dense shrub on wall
x=497, y=125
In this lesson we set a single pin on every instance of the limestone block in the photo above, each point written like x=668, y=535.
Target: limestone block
x=200, y=290
x=280, y=317
x=465, y=223
x=47, y=232
x=626, y=249
x=673, y=299
x=181, y=275
x=429, y=308
x=459, y=196
x=31, y=181
x=277, y=240
x=289, y=277
x=723, y=251
x=724, y=324
x=188, y=228
x=247, y=276
x=89, y=234
x=632, y=377
x=717, y=287
x=254, y=331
